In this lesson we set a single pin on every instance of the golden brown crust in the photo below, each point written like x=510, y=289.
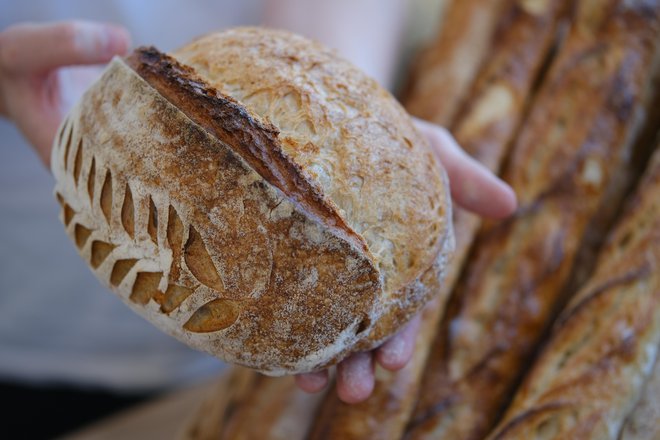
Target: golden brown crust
x=485, y=132
x=225, y=395
x=361, y=164
x=642, y=423
x=256, y=141
x=191, y=207
x=490, y=118
x=603, y=346
x=385, y=413
x=447, y=68
x=275, y=408
x=578, y=136
x=246, y=405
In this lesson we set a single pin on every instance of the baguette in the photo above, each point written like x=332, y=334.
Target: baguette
x=228, y=392
x=281, y=232
x=642, y=423
x=603, y=347
x=565, y=170
x=485, y=131
x=385, y=413
x=282, y=410
x=445, y=71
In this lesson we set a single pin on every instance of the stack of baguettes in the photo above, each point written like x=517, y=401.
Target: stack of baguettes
x=596, y=364
x=573, y=108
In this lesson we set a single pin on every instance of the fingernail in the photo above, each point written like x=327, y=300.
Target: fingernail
x=360, y=368
x=88, y=38
x=393, y=352
x=316, y=381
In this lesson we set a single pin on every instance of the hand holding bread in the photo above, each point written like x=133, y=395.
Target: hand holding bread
x=163, y=251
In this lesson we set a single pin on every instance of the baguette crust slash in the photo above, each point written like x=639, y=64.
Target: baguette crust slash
x=603, y=347
x=564, y=169
x=642, y=423
x=446, y=70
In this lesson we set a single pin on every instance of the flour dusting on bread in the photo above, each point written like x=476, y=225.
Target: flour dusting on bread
x=206, y=219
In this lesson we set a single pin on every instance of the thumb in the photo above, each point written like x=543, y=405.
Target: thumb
x=35, y=48
x=473, y=186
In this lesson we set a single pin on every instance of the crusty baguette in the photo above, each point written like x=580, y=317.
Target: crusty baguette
x=385, y=414
x=247, y=405
x=642, y=423
x=275, y=408
x=228, y=392
x=281, y=232
x=603, y=347
x=564, y=169
x=443, y=75
x=494, y=111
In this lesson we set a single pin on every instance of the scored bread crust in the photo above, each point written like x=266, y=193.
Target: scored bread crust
x=566, y=169
x=187, y=205
x=596, y=364
x=351, y=139
x=642, y=423
x=448, y=67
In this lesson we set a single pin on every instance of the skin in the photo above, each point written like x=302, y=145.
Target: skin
x=366, y=32
x=44, y=68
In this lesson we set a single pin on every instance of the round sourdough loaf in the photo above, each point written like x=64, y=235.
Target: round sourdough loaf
x=255, y=196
